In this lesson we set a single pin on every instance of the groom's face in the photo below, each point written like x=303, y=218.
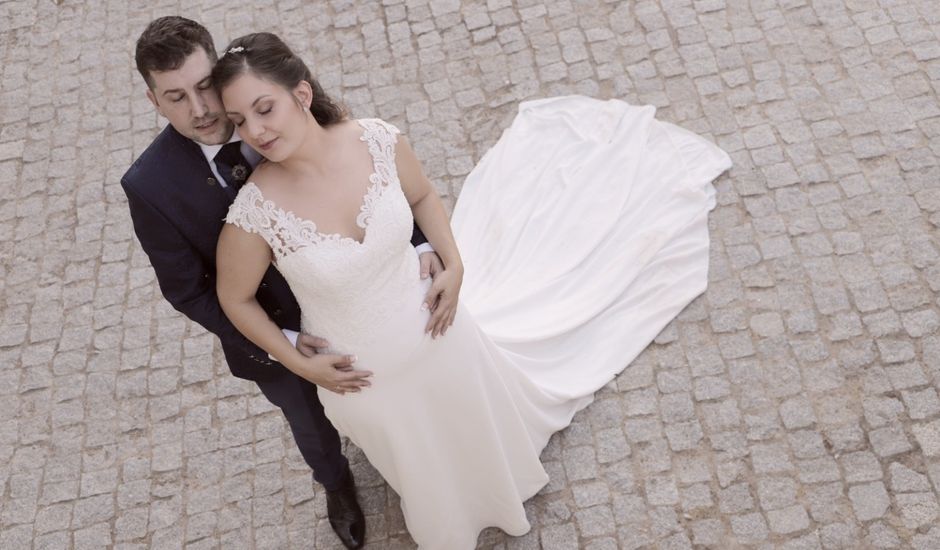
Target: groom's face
x=186, y=98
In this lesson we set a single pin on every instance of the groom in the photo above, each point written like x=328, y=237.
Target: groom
x=179, y=191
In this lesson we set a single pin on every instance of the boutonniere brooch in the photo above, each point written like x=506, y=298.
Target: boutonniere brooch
x=239, y=173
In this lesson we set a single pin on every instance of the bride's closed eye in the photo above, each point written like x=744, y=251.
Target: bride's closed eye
x=263, y=112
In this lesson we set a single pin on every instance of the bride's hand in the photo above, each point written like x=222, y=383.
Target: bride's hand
x=441, y=300
x=333, y=372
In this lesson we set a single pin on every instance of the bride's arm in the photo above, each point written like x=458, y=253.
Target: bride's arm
x=242, y=259
x=429, y=213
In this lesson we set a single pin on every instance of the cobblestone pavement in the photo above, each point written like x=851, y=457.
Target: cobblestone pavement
x=794, y=405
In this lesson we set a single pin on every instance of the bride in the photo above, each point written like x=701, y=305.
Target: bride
x=581, y=234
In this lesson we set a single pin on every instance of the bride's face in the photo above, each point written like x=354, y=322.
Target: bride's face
x=270, y=118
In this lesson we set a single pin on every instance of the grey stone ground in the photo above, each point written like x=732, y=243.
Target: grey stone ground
x=794, y=405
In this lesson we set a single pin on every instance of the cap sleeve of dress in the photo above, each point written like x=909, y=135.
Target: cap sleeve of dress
x=246, y=211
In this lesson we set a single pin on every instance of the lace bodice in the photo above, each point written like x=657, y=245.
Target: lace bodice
x=345, y=287
x=286, y=232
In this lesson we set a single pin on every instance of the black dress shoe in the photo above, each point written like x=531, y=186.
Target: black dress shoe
x=345, y=514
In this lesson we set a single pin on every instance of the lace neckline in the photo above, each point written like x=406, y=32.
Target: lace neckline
x=378, y=180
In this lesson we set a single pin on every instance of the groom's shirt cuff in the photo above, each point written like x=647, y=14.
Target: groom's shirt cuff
x=291, y=335
x=424, y=247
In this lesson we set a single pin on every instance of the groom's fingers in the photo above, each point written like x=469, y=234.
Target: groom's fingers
x=430, y=264
x=342, y=360
x=425, y=262
x=308, y=345
x=313, y=341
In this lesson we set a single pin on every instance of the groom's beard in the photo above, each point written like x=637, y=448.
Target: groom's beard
x=212, y=129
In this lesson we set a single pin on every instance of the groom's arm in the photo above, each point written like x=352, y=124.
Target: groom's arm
x=185, y=281
x=418, y=239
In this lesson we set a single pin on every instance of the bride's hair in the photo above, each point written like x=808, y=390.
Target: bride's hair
x=267, y=56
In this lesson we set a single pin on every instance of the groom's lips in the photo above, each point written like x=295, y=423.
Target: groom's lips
x=204, y=127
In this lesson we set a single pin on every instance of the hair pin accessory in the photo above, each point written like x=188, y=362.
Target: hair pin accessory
x=235, y=49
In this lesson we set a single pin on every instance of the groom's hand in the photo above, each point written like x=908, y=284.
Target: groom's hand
x=308, y=345
x=431, y=264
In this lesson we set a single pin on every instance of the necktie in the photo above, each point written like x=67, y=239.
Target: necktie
x=232, y=166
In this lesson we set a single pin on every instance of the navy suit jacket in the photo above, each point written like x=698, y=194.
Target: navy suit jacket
x=178, y=210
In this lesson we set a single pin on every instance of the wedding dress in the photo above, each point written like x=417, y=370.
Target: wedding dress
x=583, y=233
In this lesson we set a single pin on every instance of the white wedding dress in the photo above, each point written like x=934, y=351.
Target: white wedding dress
x=583, y=233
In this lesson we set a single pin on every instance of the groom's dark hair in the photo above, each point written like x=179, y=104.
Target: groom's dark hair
x=167, y=42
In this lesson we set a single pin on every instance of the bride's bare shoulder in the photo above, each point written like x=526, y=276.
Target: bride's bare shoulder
x=346, y=128
x=265, y=175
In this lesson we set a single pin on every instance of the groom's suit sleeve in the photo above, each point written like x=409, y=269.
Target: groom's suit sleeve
x=185, y=281
x=417, y=237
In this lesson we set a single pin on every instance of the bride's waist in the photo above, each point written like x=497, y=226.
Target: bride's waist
x=389, y=321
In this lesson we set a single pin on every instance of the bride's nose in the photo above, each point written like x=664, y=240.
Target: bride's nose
x=253, y=129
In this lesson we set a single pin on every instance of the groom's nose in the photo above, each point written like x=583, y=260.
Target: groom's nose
x=199, y=106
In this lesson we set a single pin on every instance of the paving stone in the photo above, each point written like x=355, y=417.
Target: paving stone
x=797, y=412
x=735, y=499
x=882, y=536
x=870, y=501
x=882, y=411
x=921, y=404
x=906, y=376
x=927, y=540
x=769, y=458
x=928, y=437
x=861, y=466
x=788, y=520
x=918, y=509
x=806, y=444
x=709, y=532
x=818, y=470
x=580, y=463
x=559, y=536
x=749, y=528
x=775, y=493
x=839, y=535
x=905, y=480
x=890, y=440
x=661, y=490
x=591, y=494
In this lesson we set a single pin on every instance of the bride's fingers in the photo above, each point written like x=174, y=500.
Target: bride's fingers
x=438, y=322
x=443, y=321
x=432, y=296
x=435, y=319
x=450, y=319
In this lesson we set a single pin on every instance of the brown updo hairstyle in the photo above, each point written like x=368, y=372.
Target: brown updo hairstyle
x=268, y=57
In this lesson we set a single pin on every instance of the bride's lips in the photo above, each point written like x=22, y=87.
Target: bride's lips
x=266, y=146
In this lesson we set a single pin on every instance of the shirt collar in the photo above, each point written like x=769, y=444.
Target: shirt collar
x=210, y=151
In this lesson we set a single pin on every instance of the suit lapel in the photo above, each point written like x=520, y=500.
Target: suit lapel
x=203, y=185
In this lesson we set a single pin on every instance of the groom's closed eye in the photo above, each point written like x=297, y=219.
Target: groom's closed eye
x=202, y=86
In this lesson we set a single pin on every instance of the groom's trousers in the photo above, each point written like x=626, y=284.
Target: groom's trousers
x=316, y=437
